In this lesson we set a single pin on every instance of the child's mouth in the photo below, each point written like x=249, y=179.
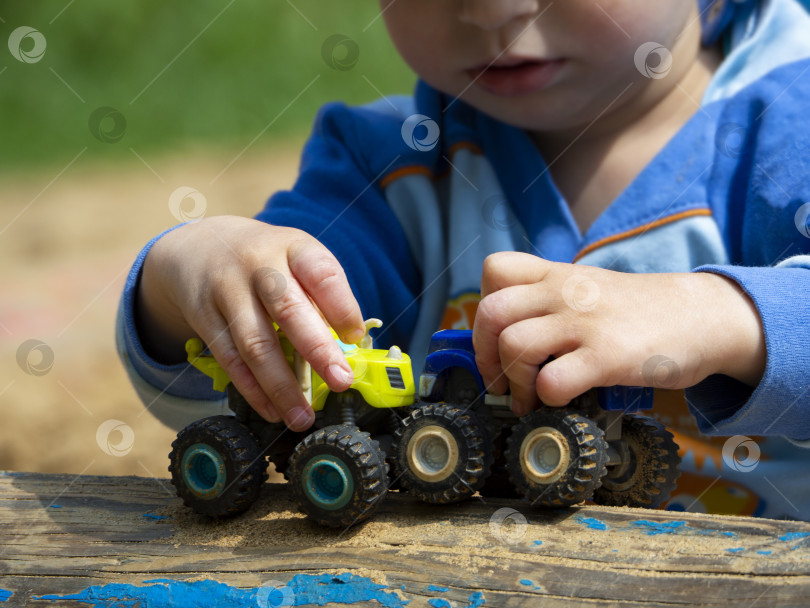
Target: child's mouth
x=517, y=78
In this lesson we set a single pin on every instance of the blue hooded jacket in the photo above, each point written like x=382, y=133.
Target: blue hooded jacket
x=412, y=193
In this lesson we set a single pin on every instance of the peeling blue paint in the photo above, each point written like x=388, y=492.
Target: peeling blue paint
x=591, y=522
x=764, y=552
x=55, y=506
x=153, y=516
x=710, y=532
x=302, y=590
x=476, y=600
x=527, y=582
x=438, y=589
x=538, y=542
x=5, y=594
x=794, y=536
x=654, y=528
x=736, y=549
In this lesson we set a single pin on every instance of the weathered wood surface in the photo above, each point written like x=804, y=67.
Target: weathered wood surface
x=82, y=536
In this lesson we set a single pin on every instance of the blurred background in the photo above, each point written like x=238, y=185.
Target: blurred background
x=118, y=121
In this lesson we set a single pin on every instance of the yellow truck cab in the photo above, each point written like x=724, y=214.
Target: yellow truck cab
x=383, y=378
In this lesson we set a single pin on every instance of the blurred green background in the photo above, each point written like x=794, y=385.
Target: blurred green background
x=129, y=103
x=180, y=74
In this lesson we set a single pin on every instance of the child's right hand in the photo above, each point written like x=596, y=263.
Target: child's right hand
x=227, y=279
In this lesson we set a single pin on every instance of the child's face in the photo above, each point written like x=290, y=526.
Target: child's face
x=557, y=65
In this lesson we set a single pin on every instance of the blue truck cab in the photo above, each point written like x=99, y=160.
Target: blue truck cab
x=451, y=357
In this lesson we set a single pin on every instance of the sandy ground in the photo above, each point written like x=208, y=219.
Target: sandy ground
x=67, y=239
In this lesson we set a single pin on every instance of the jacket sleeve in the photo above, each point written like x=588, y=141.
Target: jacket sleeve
x=764, y=208
x=337, y=199
x=780, y=403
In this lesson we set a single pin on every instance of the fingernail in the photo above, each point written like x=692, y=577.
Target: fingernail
x=300, y=418
x=340, y=375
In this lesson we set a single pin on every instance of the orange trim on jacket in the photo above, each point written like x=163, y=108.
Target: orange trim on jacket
x=388, y=179
x=640, y=229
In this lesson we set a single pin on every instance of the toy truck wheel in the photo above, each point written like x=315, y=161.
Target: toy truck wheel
x=556, y=457
x=217, y=466
x=278, y=441
x=338, y=475
x=441, y=453
x=498, y=484
x=649, y=466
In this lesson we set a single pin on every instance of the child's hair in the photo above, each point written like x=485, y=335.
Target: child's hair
x=716, y=15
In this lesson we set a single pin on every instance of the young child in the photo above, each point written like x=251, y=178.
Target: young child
x=623, y=185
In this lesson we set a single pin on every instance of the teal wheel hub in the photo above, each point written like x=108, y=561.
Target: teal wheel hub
x=203, y=471
x=328, y=482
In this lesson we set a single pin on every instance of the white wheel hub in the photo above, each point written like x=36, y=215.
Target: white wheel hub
x=544, y=455
x=432, y=453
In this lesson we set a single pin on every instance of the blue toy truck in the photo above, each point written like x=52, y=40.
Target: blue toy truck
x=598, y=447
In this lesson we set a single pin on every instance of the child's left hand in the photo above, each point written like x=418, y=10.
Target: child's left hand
x=606, y=328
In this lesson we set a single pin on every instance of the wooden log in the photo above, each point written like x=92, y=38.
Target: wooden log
x=104, y=541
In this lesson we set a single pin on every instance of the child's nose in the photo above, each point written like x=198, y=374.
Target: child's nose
x=493, y=14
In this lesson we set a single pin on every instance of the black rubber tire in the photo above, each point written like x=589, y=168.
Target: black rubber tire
x=650, y=468
x=456, y=480
x=498, y=484
x=577, y=471
x=278, y=443
x=360, y=458
x=276, y=439
x=243, y=470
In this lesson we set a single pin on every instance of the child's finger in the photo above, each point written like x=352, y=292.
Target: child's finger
x=524, y=348
x=216, y=335
x=250, y=352
x=570, y=375
x=323, y=279
x=508, y=268
x=497, y=312
x=283, y=299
